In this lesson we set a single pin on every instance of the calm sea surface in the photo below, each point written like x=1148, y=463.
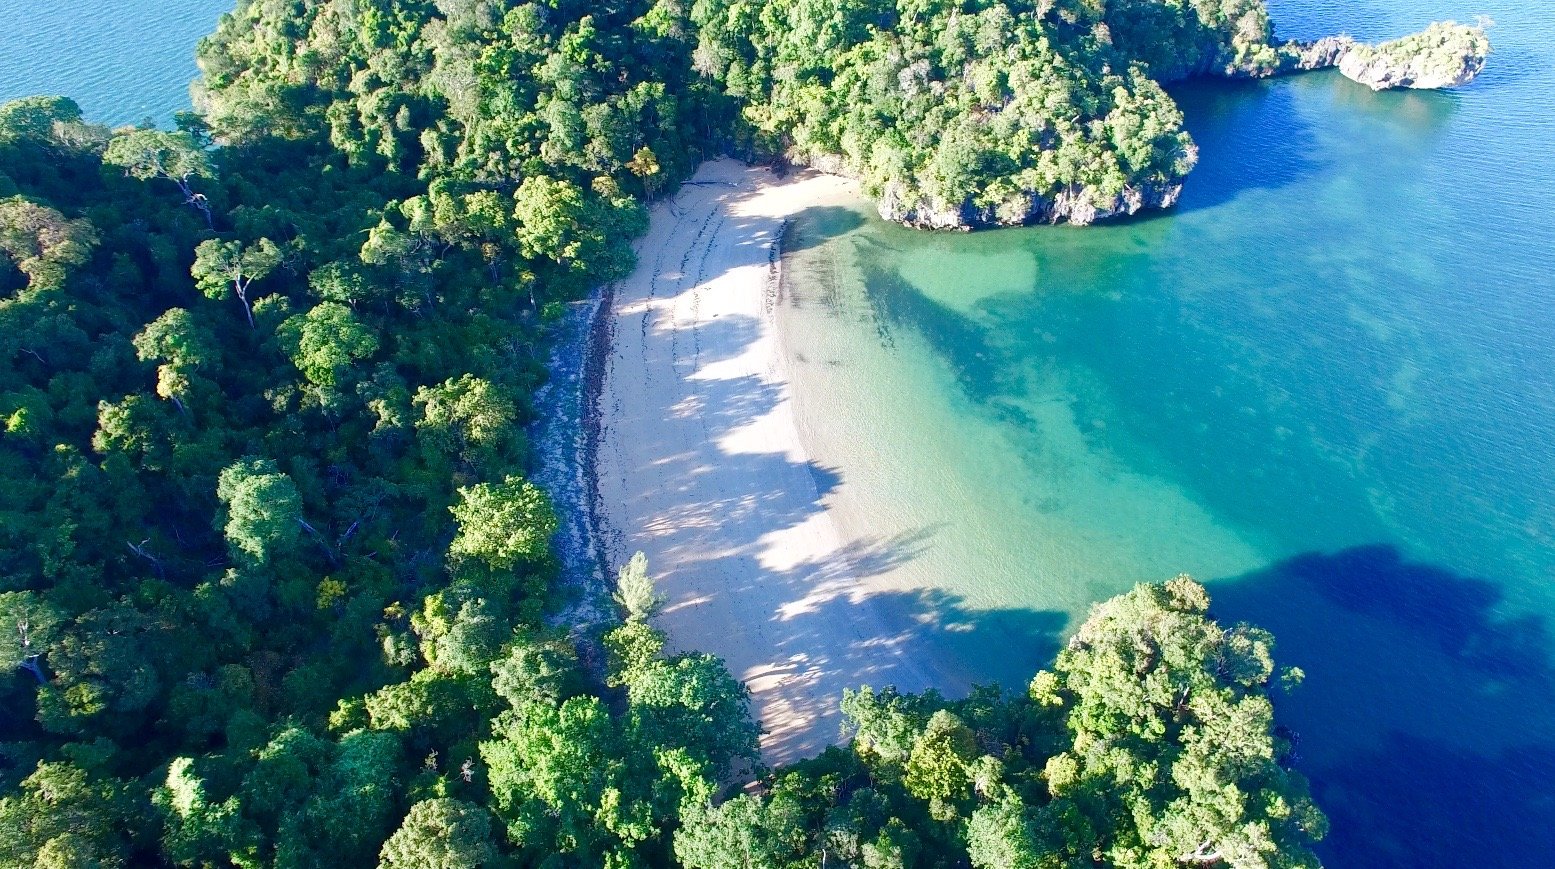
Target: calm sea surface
x=1325, y=385
x=123, y=60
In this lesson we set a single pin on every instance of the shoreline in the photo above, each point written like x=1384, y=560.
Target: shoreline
x=696, y=458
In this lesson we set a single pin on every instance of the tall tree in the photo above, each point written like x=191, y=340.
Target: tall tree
x=29, y=627
x=221, y=267
x=441, y=834
x=171, y=156
x=263, y=509
x=41, y=243
x=503, y=524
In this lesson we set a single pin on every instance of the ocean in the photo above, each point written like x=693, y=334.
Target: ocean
x=124, y=61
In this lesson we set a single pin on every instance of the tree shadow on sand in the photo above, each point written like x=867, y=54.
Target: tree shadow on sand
x=912, y=639
x=1427, y=717
x=736, y=530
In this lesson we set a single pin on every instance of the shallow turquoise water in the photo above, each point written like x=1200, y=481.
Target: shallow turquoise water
x=1325, y=385
x=123, y=60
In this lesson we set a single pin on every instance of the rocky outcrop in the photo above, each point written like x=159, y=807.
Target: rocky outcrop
x=1076, y=205
x=1444, y=55
x=1325, y=53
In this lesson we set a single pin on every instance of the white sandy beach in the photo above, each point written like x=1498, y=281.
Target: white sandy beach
x=701, y=466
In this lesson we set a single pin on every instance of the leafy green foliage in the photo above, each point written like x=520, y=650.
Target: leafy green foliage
x=502, y=524
x=978, y=105
x=264, y=511
x=1150, y=744
x=41, y=243
x=325, y=341
x=635, y=592
x=441, y=834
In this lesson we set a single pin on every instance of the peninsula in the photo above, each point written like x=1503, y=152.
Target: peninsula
x=956, y=118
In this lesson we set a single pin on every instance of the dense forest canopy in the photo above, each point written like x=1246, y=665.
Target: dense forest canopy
x=275, y=587
x=983, y=111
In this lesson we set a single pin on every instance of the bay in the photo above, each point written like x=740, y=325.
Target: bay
x=1325, y=385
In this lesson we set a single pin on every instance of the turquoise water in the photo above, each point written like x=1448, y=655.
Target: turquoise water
x=123, y=60
x=1325, y=385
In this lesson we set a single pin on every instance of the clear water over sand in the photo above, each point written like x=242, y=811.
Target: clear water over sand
x=1325, y=385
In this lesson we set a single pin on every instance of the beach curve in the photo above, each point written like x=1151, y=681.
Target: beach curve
x=700, y=464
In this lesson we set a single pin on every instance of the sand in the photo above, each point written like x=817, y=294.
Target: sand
x=700, y=464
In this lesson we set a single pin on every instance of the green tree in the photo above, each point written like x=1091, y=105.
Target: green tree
x=195, y=830
x=502, y=524
x=1002, y=836
x=635, y=592
x=743, y=833
x=176, y=157
x=549, y=214
x=536, y=669
x=41, y=243
x=468, y=418
x=938, y=770
x=183, y=345
x=263, y=508
x=351, y=812
x=221, y=267
x=1175, y=757
x=441, y=834
x=325, y=341
x=62, y=818
x=460, y=634
x=29, y=628
x=36, y=117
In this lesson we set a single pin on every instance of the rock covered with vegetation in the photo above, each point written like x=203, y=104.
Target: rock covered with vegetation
x=1446, y=54
x=963, y=114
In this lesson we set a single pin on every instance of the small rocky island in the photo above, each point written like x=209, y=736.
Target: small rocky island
x=1446, y=54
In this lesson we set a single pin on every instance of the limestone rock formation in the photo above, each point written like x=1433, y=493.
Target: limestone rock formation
x=1444, y=55
x=1076, y=205
x=1325, y=53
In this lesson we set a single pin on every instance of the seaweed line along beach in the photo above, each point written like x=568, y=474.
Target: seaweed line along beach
x=699, y=462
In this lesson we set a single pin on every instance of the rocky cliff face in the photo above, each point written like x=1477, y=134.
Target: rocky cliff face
x=1325, y=53
x=1075, y=205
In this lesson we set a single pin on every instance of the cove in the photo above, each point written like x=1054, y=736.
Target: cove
x=1325, y=385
